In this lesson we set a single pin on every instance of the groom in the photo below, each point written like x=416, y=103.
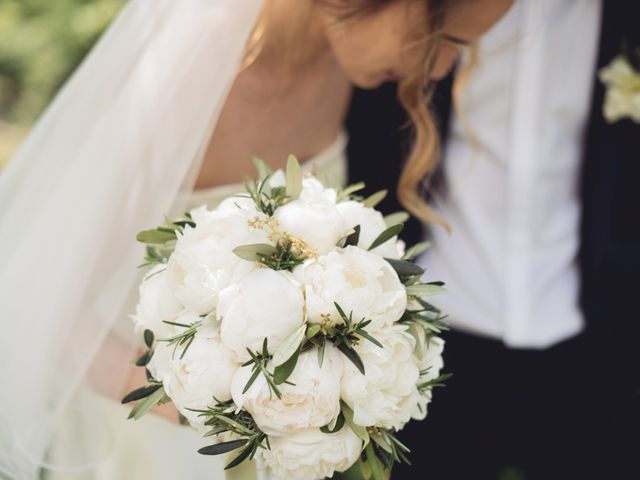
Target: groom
x=544, y=260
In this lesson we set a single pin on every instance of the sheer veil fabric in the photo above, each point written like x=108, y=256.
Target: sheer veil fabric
x=110, y=156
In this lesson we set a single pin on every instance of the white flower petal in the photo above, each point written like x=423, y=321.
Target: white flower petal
x=311, y=454
x=264, y=304
x=313, y=399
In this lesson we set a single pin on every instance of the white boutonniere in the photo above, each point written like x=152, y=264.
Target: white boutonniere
x=622, y=80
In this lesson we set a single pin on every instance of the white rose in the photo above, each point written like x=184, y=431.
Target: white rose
x=311, y=454
x=372, y=224
x=623, y=90
x=431, y=363
x=313, y=218
x=205, y=372
x=156, y=304
x=359, y=281
x=385, y=395
x=203, y=263
x=313, y=399
x=264, y=304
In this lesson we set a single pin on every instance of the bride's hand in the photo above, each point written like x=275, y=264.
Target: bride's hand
x=136, y=380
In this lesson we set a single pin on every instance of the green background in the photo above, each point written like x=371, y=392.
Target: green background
x=41, y=42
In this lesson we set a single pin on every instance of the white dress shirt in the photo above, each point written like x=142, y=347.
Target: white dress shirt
x=512, y=200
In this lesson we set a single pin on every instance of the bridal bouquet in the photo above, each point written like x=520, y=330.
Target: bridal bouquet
x=289, y=324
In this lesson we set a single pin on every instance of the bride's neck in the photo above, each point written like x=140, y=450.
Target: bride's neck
x=294, y=39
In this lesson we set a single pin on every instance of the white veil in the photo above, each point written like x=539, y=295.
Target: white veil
x=107, y=159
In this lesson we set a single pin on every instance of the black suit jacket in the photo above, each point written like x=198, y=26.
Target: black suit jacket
x=610, y=234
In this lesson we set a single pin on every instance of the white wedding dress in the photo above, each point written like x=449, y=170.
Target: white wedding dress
x=117, y=149
x=153, y=448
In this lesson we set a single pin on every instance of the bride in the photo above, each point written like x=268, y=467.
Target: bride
x=166, y=114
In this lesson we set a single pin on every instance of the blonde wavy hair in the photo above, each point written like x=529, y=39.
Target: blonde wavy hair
x=414, y=91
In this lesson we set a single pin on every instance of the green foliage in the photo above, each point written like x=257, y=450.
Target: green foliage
x=343, y=335
x=381, y=449
x=41, y=43
x=352, y=239
x=425, y=289
x=294, y=178
x=259, y=363
x=185, y=338
x=361, y=432
x=267, y=199
x=280, y=257
x=335, y=426
x=225, y=418
x=388, y=234
x=160, y=241
x=387, y=449
x=426, y=387
x=396, y=218
x=348, y=192
x=416, y=250
x=142, y=392
x=286, y=357
x=158, y=397
x=405, y=270
x=428, y=316
x=375, y=199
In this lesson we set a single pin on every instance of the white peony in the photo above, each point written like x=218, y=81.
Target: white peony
x=360, y=282
x=264, y=304
x=623, y=90
x=237, y=202
x=313, y=218
x=372, y=224
x=385, y=395
x=431, y=362
x=203, y=263
x=312, y=401
x=205, y=371
x=156, y=304
x=278, y=179
x=311, y=454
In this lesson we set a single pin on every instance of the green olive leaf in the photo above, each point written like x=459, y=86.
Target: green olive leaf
x=147, y=404
x=404, y=268
x=356, y=187
x=224, y=447
x=155, y=237
x=262, y=168
x=425, y=289
x=387, y=235
x=375, y=199
x=289, y=346
x=255, y=252
x=396, y=218
x=294, y=178
x=360, y=431
x=416, y=250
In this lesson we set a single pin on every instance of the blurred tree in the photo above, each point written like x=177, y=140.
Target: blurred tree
x=41, y=43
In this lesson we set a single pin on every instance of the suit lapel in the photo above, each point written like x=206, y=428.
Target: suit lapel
x=611, y=172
